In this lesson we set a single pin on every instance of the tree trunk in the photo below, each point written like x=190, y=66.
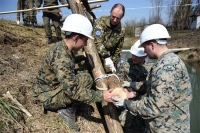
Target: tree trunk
x=109, y=109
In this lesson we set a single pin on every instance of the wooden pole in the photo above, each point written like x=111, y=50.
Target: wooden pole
x=109, y=109
x=95, y=6
x=49, y=7
x=110, y=112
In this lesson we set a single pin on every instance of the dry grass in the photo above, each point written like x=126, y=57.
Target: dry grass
x=21, y=51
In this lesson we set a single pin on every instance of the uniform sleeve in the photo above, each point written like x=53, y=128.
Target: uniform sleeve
x=117, y=54
x=158, y=101
x=99, y=37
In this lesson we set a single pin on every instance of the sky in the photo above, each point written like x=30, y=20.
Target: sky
x=134, y=9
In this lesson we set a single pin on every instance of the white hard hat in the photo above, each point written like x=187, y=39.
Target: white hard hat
x=135, y=50
x=79, y=24
x=154, y=31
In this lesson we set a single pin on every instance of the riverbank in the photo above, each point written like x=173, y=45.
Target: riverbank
x=179, y=39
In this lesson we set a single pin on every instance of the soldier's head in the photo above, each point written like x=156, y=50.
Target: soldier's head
x=77, y=31
x=138, y=55
x=116, y=14
x=154, y=40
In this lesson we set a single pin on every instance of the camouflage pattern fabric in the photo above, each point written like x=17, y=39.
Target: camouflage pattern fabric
x=33, y=19
x=108, y=39
x=165, y=107
x=58, y=84
x=27, y=4
x=50, y=3
x=128, y=71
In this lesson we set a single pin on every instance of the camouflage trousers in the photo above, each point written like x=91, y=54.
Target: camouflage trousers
x=29, y=17
x=47, y=17
x=60, y=97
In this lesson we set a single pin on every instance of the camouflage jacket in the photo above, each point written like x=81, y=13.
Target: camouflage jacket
x=108, y=40
x=166, y=104
x=57, y=71
x=128, y=71
x=50, y=3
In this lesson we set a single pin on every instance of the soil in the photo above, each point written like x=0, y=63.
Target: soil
x=21, y=51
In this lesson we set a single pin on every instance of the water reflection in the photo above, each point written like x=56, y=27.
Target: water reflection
x=194, y=73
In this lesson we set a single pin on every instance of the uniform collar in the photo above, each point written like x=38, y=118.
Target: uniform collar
x=118, y=27
x=165, y=53
x=64, y=45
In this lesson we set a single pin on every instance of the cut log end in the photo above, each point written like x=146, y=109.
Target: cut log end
x=120, y=92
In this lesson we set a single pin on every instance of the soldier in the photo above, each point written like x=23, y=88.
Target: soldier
x=109, y=36
x=58, y=86
x=165, y=106
x=132, y=69
x=51, y=14
x=128, y=71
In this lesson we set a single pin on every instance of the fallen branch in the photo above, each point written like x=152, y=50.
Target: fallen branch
x=14, y=100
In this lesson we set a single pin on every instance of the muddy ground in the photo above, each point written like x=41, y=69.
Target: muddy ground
x=21, y=51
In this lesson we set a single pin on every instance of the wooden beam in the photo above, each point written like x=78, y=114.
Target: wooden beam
x=110, y=112
x=49, y=7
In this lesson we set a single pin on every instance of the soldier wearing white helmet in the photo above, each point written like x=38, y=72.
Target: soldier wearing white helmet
x=165, y=106
x=130, y=71
x=58, y=86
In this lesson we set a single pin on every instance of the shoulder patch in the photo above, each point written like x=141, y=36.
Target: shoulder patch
x=98, y=32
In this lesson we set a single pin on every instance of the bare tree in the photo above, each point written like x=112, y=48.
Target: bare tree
x=155, y=14
x=181, y=17
x=170, y=13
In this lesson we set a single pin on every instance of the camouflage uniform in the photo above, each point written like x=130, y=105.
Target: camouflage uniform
x=108, y=39
x=51, y=14
x=165, y=107
x=128, y=71
x=58, y=84
x=27, y=4
x=33, y=19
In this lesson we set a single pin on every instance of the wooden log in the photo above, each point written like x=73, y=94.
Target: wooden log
x=110, y=112
x=95, y=6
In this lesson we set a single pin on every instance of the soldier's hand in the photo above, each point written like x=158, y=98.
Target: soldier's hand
x=107, y=95
x=109, y=64
x=118, y=102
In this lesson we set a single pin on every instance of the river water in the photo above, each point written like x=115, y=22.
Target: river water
x=194, y=73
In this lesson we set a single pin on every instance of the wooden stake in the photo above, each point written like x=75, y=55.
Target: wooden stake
x=110, y=112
